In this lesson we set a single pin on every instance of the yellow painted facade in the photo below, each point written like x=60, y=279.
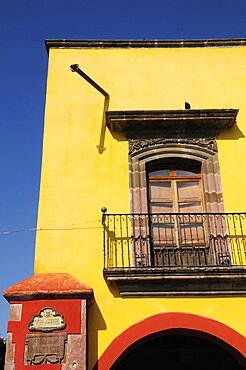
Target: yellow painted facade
x=78, y=177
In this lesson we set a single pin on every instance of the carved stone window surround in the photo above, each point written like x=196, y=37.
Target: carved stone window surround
x=148, y=150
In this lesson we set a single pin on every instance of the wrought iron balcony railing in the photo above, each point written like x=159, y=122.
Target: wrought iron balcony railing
x=135, y=241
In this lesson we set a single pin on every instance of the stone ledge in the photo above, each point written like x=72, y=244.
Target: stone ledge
x=169, y=282
x=193, y=121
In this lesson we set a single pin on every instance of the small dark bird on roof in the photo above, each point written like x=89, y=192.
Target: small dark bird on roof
x=187, y=105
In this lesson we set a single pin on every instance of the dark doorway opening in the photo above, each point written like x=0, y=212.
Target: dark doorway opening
x=2, y=353
x=179, y=352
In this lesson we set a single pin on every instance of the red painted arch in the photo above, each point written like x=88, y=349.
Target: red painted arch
x=170, y=321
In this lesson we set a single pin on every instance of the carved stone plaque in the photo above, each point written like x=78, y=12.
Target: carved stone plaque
x=45, y=348
x=47, y=320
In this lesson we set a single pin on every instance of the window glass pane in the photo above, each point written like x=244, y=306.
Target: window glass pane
x=160, y=190
x=161, y=208
x=186, y=173
x=162, y=172
x=194, y=207
x=187, y=190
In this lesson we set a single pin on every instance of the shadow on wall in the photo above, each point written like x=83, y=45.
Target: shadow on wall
x=234, y=133
x=156, y=131
x=95, y=323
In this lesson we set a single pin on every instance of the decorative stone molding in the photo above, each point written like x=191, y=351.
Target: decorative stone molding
x=138, y=144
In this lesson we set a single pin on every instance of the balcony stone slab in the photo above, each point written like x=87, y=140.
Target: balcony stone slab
x=178, y=282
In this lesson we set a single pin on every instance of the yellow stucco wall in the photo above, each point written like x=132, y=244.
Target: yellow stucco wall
x=77, y=180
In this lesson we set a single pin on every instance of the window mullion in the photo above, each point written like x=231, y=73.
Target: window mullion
x=175, y=210
x=175, y=197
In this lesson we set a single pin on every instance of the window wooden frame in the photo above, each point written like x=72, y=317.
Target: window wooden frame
x=174, y=179
x=172, y=241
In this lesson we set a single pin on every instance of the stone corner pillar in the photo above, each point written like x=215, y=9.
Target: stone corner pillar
x=47, y=323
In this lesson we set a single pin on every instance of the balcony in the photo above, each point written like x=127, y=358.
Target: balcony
x=175, y=254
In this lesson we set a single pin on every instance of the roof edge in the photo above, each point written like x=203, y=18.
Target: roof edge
x=48, y=286
x=104, y=44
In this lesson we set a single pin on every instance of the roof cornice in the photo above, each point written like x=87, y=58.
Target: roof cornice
x=105, y=44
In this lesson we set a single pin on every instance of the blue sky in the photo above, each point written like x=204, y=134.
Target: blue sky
x=24, y=25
